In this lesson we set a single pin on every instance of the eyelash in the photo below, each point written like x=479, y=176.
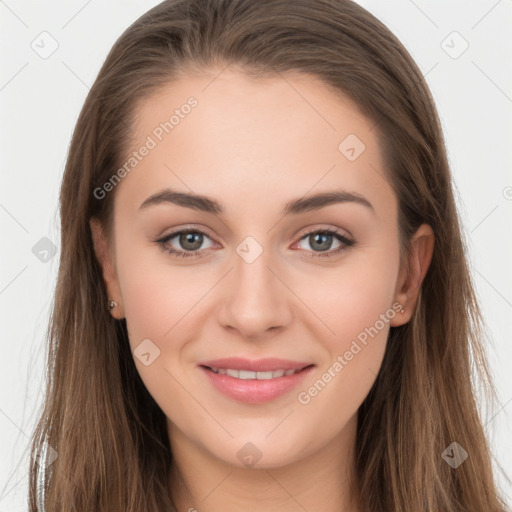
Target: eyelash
x=345, y=241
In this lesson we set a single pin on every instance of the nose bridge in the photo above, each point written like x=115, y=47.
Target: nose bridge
x=257, y=300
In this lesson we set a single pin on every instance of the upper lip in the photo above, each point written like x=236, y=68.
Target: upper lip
x=255, y=365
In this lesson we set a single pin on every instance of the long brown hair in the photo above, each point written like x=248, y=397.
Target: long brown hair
x=109, y=434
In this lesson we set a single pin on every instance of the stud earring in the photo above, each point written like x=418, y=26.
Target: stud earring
x=112, y=304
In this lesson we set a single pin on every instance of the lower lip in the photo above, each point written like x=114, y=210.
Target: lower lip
x=254, y=391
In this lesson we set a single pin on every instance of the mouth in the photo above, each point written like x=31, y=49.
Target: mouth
x=255, y=382
x=248, y=374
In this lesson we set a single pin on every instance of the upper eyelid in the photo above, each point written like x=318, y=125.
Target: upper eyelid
x=173, y=234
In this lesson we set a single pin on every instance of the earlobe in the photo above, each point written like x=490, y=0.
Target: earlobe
x=413, y=272
x=105, y=259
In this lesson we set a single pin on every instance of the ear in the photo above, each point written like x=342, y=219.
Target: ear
x=413, y=272
x=106, y=261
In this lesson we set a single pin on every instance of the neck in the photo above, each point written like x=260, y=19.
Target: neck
x=324, y=480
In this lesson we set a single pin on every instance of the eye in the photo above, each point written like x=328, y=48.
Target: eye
x=321, y=241
x=191, y=241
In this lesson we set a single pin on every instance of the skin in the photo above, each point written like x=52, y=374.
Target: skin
x=253, y=145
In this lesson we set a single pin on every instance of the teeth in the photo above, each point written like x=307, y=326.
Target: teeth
x=247, y=374
x=266, y=375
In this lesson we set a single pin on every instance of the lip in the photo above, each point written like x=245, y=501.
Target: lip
x=254, y=391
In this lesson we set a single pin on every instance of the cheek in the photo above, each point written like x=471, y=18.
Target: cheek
x=157, y=296
x=356, y=303
x=352, y=296
x=159, y=303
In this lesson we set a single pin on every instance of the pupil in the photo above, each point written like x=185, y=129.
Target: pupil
x=324, y=245
x=186, y=238
x=321, y=240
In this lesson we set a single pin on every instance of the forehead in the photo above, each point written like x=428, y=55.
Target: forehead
x=223, y=133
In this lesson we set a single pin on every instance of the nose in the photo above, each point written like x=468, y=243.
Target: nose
x=257, y=300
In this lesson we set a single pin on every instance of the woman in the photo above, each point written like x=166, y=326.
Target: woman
x=311, y=349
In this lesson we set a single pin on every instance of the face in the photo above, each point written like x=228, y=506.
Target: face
x=261, y=314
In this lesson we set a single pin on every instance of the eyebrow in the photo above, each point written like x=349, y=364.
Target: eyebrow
x=294, y=207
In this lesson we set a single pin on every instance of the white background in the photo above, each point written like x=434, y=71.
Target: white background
x=40, y=100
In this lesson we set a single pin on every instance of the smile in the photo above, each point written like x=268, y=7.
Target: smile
x=247, y=374
x=254, y=382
